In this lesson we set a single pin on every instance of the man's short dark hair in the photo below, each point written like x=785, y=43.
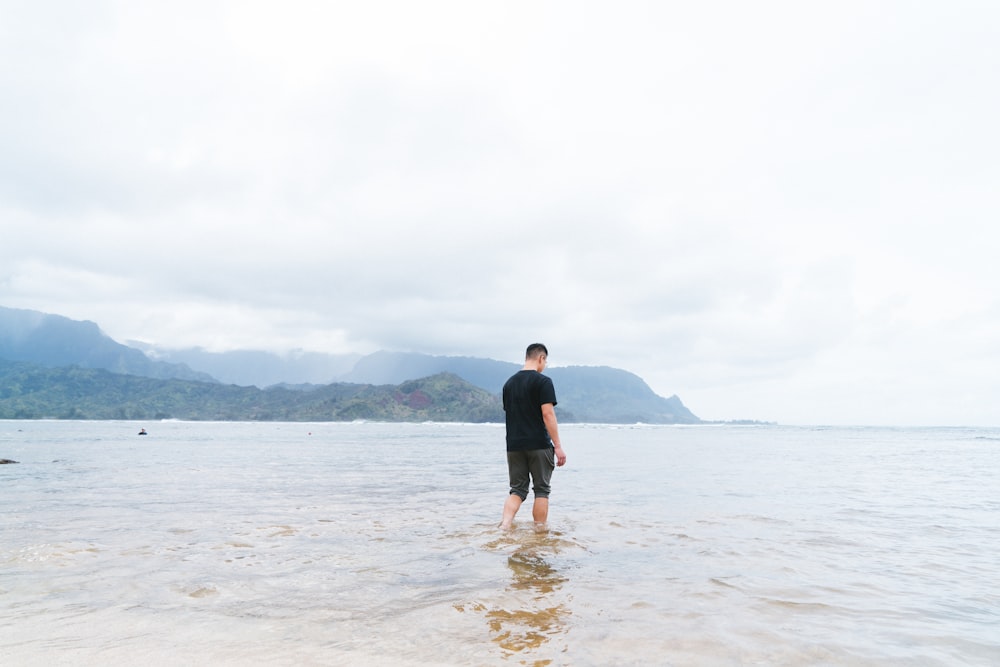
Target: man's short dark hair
x=535, y=350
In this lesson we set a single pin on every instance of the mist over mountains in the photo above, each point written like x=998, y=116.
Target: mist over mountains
x=274, y=386
x=258, y=368
x=54, y=340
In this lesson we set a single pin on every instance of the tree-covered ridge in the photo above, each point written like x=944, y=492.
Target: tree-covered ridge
x=585, y=393
x=28, y=391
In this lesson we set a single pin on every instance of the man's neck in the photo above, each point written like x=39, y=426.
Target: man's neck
x=534, y=365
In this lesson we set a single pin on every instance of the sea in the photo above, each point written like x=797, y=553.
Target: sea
x=207, y=543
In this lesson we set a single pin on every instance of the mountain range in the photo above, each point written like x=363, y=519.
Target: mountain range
x=51, y=354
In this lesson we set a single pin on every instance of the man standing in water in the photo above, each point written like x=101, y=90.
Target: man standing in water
x=533, y=446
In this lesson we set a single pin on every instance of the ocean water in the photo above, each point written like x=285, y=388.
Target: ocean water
x=376, y=544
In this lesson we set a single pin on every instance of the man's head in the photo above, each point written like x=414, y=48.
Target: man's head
x=536, y=355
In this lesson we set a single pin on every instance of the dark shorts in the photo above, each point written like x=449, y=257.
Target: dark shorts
x=536, y=463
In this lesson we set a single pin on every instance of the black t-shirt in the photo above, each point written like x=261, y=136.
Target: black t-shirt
x=523, y=396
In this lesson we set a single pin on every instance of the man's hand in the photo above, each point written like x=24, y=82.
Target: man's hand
x=560, y=456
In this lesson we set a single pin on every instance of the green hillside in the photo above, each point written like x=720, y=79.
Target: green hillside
x=28, y=391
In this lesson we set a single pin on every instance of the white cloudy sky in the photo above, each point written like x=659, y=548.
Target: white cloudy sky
x=776, y=210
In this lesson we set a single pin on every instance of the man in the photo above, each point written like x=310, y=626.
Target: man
x=533, y=445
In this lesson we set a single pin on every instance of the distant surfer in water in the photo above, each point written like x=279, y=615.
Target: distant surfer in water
x=142, y=431
x=533, y=446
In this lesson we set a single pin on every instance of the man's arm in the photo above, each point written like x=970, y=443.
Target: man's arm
x=549, y=417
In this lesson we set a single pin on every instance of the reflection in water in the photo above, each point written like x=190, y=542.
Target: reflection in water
x=531, y=614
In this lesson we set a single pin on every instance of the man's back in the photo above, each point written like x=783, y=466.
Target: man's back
x=523, y=396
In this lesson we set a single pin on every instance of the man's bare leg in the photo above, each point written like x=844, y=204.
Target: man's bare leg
x=510, y=507
x=540, y=510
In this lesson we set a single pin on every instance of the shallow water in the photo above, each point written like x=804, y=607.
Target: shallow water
x=363, y=544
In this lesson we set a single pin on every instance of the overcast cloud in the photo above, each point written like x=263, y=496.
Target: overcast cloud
x=783, y=211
